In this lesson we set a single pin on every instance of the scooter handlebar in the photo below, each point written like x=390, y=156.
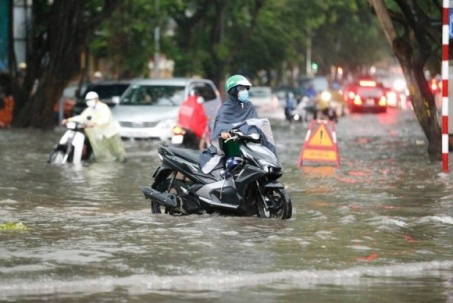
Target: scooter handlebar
x=75, y=125
x=237, y=134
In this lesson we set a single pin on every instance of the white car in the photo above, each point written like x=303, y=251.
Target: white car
x=266, y=103
x=148, y=109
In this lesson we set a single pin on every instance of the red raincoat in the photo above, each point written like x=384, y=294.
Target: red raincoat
x=192, y=116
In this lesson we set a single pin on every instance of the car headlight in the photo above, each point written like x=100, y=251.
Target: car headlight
x=166, y=124
x=399, y=85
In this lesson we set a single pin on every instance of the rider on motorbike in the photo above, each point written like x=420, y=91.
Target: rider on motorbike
x=237, y=108
x=192, y=117
x=290, y=106
x=101, y=130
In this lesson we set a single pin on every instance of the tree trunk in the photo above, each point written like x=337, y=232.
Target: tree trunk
x=412, y=63
x=59, y=35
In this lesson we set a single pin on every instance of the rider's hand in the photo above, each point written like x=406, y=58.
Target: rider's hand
x=90, y=124
x=225, y=136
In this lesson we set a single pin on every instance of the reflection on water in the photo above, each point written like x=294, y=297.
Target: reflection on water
x=376, y=229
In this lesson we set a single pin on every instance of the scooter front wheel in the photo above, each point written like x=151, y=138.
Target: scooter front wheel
x=57, y=157
x=278, y=203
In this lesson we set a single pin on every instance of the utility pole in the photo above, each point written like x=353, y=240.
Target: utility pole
x=308, y=66
x=156, y=41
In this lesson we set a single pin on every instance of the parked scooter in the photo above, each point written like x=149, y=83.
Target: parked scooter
x=243, y=186
x=73, y=147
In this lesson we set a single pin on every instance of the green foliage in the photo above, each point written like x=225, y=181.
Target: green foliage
x=217, y=38
x=351, y=37
x=127, y=37
x=12, y=226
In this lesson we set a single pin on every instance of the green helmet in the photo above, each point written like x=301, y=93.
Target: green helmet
x=235, y=81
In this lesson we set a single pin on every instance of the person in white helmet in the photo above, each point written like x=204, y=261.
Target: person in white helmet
x=101, y=129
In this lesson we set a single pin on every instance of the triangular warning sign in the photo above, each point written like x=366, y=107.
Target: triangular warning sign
x=320, y=144
x=321, y=137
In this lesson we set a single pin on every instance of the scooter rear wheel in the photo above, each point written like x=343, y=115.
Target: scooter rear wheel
x=278, y=202
x=162, y=187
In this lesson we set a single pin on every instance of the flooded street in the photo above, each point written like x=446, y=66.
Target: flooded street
x=379, y=228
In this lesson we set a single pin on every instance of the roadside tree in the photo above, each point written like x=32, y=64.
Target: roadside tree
x=416, y=43
x=57, y=39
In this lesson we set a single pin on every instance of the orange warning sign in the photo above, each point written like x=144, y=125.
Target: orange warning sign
x=321, y=137
x=320, y=143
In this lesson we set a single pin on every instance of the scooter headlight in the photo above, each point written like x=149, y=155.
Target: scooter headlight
x=269, y=167
x=326, y=96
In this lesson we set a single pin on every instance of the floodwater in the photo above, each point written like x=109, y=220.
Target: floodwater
x=379, y=228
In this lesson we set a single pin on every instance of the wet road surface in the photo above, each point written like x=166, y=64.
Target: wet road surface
x=379, y=228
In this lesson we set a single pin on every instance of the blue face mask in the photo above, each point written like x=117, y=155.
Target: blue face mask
x=243, y=95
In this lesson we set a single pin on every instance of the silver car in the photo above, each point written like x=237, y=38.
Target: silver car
x=266, y=103
x=149, y=107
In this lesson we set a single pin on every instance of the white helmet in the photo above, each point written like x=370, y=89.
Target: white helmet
x=91, y=96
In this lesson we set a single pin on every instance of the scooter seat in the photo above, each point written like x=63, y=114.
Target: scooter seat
x=185, y=153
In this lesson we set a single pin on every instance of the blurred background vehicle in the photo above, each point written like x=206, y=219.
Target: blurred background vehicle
x=318, y=97
x=366, y=95
x=148, y=109
x=108, y=91
x=332, y=101
x=397, y=92
x=266, y=102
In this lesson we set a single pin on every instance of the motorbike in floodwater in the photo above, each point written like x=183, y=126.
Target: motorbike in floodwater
x=245, y=186
x=73, y=147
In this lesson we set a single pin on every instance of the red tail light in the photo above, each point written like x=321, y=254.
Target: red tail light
x=383, y=101
x=358, y=100
x=433, y=85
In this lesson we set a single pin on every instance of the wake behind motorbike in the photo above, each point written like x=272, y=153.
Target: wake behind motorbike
x=243, y=186
x=73, y=146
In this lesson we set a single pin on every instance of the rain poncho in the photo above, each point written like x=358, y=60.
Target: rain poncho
x=104, y=136
x=192, y=116
x=231, y=113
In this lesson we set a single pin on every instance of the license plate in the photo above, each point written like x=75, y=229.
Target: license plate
x=369, y=102
x=177, y=139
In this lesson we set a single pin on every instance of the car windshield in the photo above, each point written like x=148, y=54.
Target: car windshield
x=106, y=91
x=154, y=95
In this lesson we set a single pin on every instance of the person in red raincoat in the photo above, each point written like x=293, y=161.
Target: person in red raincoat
x=6, y=110
x=192, y=116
